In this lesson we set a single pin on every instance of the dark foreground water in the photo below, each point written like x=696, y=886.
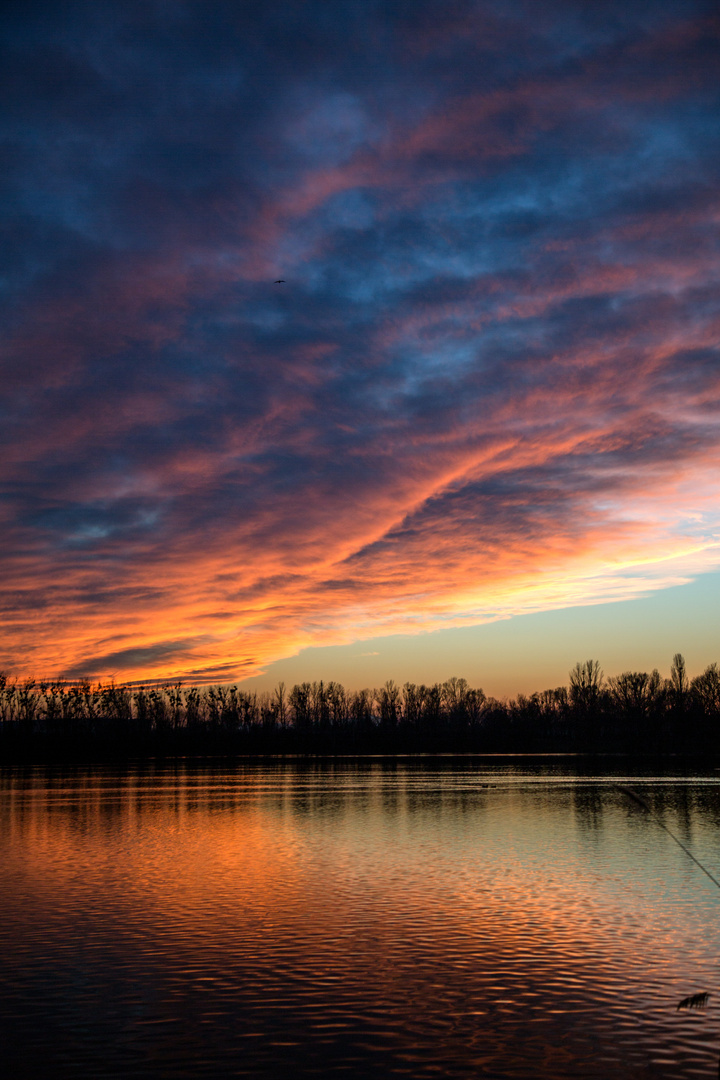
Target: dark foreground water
x=457, y=918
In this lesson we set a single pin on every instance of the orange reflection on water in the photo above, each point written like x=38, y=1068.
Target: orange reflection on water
x=361, y=907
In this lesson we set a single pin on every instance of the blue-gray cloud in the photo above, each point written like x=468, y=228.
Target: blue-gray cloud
x=498, y=230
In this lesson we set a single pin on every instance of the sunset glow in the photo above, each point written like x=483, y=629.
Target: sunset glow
x=488, y=386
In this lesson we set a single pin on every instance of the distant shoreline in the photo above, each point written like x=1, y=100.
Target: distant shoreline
x=633, y=714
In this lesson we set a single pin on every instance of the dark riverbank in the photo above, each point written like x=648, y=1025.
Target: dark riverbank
x=633, y=714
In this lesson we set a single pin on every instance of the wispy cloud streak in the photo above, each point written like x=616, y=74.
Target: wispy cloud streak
x=490, y=383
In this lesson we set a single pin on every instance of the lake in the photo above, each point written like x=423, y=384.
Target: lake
x=456, y=917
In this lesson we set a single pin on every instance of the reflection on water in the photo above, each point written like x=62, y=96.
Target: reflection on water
x=452, y=918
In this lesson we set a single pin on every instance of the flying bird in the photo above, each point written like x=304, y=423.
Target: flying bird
x=280, y=281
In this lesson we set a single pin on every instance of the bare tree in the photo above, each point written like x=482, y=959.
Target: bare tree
x=586, y=681
x=389, y=701
x=635, y=692
x=281, y=704
x=678, y=677
x=705, y=689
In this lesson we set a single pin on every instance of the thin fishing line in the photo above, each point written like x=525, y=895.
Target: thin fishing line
x=632, y=795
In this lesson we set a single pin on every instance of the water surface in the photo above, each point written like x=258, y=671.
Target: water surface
x=452, y=918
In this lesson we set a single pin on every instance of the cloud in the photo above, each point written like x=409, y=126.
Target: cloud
x=489, y=385
x=136, y=656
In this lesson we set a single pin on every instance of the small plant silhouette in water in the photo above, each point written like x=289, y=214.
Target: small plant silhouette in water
x=695, y=1001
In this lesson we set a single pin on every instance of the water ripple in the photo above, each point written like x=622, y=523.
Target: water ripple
x=352, y=919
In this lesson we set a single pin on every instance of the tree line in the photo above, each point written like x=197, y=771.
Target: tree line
x=634, y=712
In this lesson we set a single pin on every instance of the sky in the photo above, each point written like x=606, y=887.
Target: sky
x=475, y=427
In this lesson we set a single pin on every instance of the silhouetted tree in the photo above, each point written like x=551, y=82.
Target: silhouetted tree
x=361, y=717
x=280, y=701
x=678, y=676
x=585, y=683
x=193, y=715
x=585, y=688
x=704, y=696
x=705, y=689
x=413, y=698
x=633, y=711
x=677, y=688
x=635, y=698
x=389, y=701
